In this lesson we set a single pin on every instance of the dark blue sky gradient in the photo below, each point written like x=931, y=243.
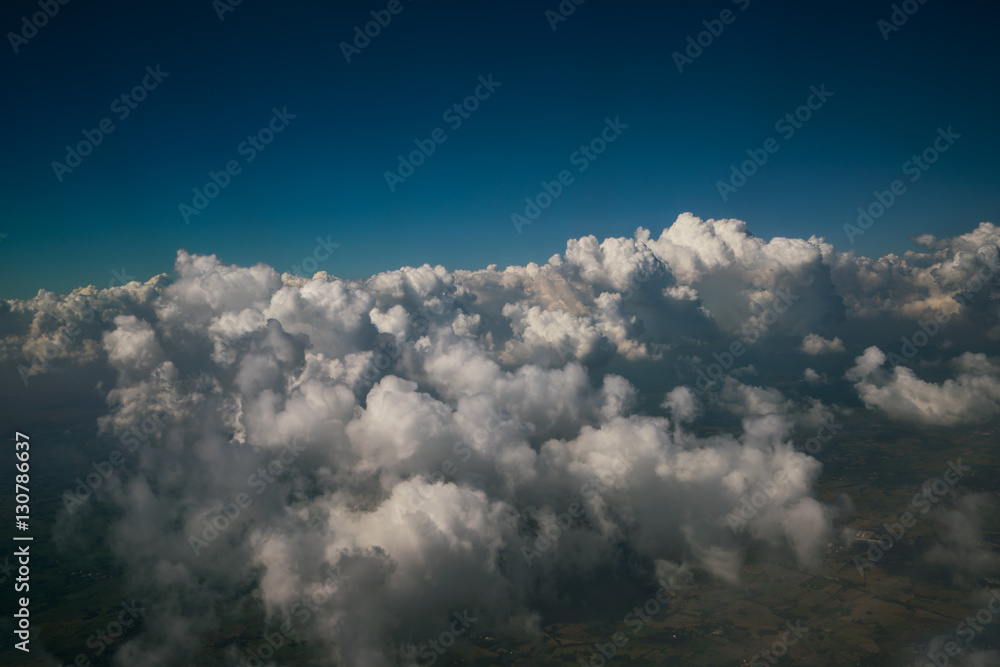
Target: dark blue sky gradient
x=323, y=175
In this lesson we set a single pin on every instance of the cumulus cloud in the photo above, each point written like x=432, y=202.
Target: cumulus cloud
x=815, y=344
x=682, y=404
x=813, y=377
x=973, y=395
x=418, y=433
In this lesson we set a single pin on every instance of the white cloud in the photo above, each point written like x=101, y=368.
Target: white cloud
x=440, y=419
x=972, y=396
x=815, y=344
x=813, y=377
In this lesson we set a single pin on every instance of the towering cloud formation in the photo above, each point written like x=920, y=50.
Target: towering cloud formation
x=446, y=441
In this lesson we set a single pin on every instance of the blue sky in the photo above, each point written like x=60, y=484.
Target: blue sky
x=323, y=174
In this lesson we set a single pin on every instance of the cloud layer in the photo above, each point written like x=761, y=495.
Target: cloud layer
x=458, y=440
